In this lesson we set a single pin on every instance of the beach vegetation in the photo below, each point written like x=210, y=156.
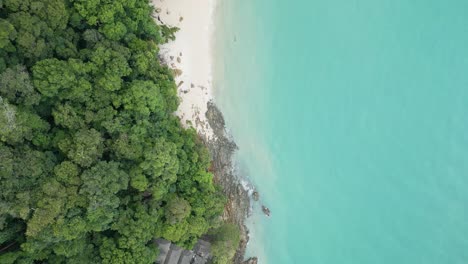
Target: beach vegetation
x=225, y=241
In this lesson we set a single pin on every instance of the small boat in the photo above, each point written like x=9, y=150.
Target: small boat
x=266, y=211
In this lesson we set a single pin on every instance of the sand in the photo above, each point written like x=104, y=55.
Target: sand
x=191, y=54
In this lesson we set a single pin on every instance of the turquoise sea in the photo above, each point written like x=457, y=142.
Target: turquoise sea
x=352, y=120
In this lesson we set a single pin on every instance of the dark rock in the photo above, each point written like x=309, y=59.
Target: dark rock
x=255, y=196
x=266, y=211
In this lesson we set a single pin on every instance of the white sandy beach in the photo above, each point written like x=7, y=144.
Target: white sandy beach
x=191, y=53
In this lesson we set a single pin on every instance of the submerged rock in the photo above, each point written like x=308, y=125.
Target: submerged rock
x=255, y=196
x=266, y=210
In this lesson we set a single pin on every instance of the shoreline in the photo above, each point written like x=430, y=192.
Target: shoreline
x=191, y=57
x=238, y=206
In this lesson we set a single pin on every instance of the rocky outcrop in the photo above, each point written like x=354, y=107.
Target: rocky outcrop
x=222, y=148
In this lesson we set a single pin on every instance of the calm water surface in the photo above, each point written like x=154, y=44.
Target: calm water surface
x=352, y=119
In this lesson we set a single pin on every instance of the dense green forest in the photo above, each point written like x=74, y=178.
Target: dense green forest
x=93, y=162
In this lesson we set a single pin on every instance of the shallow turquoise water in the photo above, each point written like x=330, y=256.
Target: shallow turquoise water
x=352, y=121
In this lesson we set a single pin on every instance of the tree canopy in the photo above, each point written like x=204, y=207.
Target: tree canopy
x=225, y=240
x=93, y=162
